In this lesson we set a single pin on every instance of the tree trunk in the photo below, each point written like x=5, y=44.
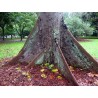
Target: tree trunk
x=3, y=33
x=50, y=41
x=20, y=37
x=42, y=37
x=6, y=36
x=11, y=36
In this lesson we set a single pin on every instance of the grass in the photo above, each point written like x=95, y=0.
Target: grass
x=10, y=49
x=91, y=47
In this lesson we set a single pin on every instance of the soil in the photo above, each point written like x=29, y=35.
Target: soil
x=20, y=75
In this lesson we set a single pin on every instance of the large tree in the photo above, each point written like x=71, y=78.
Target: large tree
x=50, y=41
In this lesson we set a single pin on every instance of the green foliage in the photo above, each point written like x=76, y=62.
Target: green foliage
x=46, y=64
x=24, y=22
x=77, y=26
x=49, y=66
x=17, y=23
x=9, y=30
x=5, y=18
x=91, y=17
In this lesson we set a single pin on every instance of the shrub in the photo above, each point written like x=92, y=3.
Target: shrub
x=77, y=26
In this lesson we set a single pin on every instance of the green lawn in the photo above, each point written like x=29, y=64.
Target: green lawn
x=10, y=49
x=91, y=47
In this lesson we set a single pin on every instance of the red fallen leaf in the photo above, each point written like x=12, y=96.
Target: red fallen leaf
x=96, y=82
x=96, y=75
x=51, y=77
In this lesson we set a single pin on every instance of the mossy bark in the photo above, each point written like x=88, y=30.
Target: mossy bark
x=42, y=38
x=74, y=53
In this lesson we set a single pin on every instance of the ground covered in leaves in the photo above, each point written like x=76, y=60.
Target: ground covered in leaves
x=19, y=75
x=85, y=78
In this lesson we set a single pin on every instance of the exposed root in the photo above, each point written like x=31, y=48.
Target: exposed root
x=33, y=61
x=66, y=71
x=95, y=63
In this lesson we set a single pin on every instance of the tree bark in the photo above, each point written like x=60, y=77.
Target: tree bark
x=11, y=36
x=3, y=33
x=74, y=53
x=42, y=37
x=20, y=37
x=6, y=36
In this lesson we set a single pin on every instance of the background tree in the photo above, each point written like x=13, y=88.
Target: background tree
x=24, y=22
x=9, y=30
x=91, y=17
x=77, y=26
x=5, y=18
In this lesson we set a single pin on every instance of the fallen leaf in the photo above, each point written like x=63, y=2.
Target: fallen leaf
x=24, y=73
x=51, y=66
x=59, y=77
x=18, y=69
x=96, y=82
x=29, y=77
x=2, y=64
x=71, y=68
x=54, y=70
x=42, y=70
x=46, y=64
x=96, y=75
x=51, y=76
x=43, y=76
x=81, y=69
x=27, y=73
x=90, y=74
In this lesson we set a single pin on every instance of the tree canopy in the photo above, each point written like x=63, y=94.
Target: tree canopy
x=24, y=22
x=17, y=23
x=5, y=19
x=77, y=26
x=91, y=17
